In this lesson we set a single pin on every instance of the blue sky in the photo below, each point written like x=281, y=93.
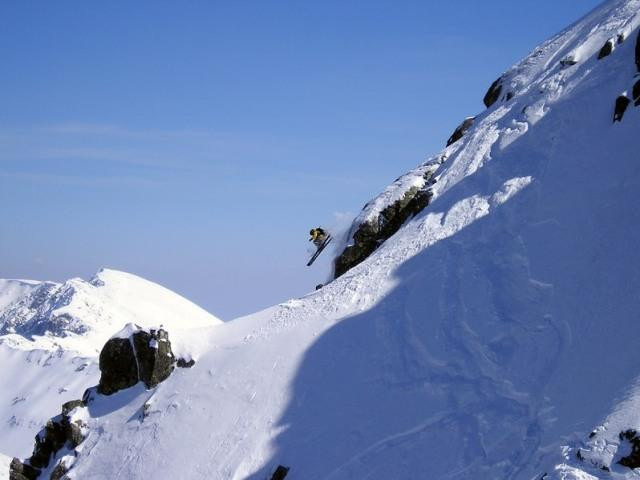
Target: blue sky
x=195, y=143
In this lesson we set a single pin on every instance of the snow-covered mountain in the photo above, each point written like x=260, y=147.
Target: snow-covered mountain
x=483, y=324
x=51, y=334
x=81, y=315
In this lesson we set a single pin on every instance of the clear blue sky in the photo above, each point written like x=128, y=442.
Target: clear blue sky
x=195, y=143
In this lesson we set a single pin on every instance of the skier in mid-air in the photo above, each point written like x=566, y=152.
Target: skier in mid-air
x=318, y=236
x=320, y=239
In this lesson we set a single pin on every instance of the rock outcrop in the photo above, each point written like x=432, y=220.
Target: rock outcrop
x=606, y=49
x=622, y=102
x=493, y=94
x=65, y=431
x=134, y=355
x=633, y=459
x=460, y=130
x=369, y=235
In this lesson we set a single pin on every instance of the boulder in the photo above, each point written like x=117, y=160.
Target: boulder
x=118, y=366
x=460, y=130
x=606, y=49
x=71, y=405
x=633, y=459
x=135, y=354
x=568, y=61
x=155, y=358
x=493, y=93
x=22, y=471
x=59, y=471
x=183, y=363
x=622, y=102
x=621, y=38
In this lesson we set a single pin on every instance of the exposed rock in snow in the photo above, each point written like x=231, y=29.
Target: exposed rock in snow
x=134, y=355
x=622, y=102
x=382, y=217
x=606, y=49
x=50, y=458
x=493, y=94
x=460, y=130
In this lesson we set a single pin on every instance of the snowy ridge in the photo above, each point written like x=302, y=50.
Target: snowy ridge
x=484, y=340
x=81, y=315
x=533, y=85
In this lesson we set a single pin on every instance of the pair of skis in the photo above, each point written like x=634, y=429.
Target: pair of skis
x=320, y=249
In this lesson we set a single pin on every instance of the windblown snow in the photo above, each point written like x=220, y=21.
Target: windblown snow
x=492, y=337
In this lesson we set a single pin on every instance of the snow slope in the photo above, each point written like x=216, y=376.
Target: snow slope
x=81, y=315
x=52, y=333
x=484, y=340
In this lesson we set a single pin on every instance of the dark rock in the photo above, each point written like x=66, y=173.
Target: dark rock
x=118, y=366
x=59, y=432
x=509, y=96
x=155, y=358
x=622, y=102
x=67, y=407
x=568, y=61
x=48, y=441
x=636, y=93
x=606, y=49
x=319, y=286
x=460, y=130
x=280, y=473
x=493, y=93
x=370, y=235
x=74, y=433
x=621, y=38
x=638, y=52
x=22, y=471
x=142, y=356
x=182, y=363
x=633, y=459
x=59, y=472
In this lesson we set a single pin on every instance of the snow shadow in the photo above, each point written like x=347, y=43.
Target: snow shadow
x=481, y=357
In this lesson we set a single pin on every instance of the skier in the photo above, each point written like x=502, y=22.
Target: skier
x=320, y=239
x=318, y=236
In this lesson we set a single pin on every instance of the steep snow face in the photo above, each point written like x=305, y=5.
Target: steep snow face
x=527, y=92
x=80, y=315
x=483, y=340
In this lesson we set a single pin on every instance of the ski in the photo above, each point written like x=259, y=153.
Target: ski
x=319, y=251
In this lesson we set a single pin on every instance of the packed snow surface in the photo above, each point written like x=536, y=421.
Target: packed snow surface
x=485, y=340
